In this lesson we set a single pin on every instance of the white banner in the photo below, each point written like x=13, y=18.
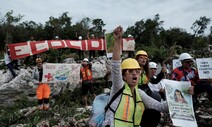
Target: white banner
x=180, y=103
x=204, y=66
x=128, y=44
x=53, y=73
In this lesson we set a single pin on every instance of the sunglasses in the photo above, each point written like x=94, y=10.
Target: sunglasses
x=153, y=68
x=188, y=61
x=133, y=71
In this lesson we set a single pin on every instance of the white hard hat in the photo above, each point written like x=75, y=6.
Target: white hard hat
x=185, y=56
x=152, y=65
x=80, y=37
x=130, y=35
x=56, y=37
x=85, y=60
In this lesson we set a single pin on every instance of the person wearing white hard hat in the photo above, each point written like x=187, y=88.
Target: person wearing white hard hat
x=92, y=53
x=154, y=83
x=188, y=73
x=56, y=38
x=86, y=79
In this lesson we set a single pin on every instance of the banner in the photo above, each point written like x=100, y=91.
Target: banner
x=180, y=103
x=21, y=50
x=204, y=66
x=128, y=44
x=24, y=49
x=53, y=73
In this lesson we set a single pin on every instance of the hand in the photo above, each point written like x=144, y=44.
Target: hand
x=80, y=81
x=164, y=70
x=210, y=80
x=162, y=90
x=117, y=33
x=191, y=90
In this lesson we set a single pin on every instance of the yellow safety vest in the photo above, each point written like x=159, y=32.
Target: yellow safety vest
x=129, y=111
x=143, y=79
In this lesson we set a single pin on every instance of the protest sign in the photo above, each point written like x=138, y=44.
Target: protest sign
x=204, y=66
x=128, y=44
x=176, y=63
x=180, y=103
x=53, y=73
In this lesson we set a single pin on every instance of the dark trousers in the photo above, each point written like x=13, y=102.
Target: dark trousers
x=203, y=86
x=44, y=100
x=150, y=118
x=10, y=67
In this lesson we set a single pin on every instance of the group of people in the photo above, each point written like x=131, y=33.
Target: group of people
x=140, y=102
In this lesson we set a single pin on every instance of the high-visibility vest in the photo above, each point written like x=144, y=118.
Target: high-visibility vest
x=129, y=111
x=143, y=79
x=86, y=73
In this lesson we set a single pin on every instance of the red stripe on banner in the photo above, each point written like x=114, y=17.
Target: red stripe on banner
x=38, y=47
x=73, y=44
x=94, y=44
x=84, y=45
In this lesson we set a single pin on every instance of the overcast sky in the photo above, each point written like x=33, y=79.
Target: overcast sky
x=174, y=13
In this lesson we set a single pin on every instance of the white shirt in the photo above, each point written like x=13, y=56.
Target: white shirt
x=7, y=59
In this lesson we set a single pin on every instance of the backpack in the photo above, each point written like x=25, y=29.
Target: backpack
x=100, y=107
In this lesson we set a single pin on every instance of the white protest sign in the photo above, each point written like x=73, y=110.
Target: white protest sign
x=176, y=63
x=180, y=103
x=204, y=66
x=55, y=72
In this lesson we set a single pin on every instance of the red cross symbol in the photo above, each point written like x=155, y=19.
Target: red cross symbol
x=48, y=76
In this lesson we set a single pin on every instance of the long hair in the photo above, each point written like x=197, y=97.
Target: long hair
x=175, y=96
x=145, y=67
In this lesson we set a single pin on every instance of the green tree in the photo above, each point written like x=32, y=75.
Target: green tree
x=97, y=28
x=60, y=26
x=10, y=22
x=200, y=25
x=146, y=32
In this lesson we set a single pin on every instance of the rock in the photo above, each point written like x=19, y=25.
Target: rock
x=69, y=60
x=44, y=123
x=11, y=88
x=205, y=116
x=19, y=125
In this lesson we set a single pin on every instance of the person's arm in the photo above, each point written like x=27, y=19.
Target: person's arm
x=153, y=87
x=35, y=77
x=158, y=79
x=174, y=75
x=116, y=74
x=88, y=36
x=117, y=33
x=151, y=103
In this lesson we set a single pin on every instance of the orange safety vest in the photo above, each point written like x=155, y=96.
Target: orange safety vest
x=86, y=73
